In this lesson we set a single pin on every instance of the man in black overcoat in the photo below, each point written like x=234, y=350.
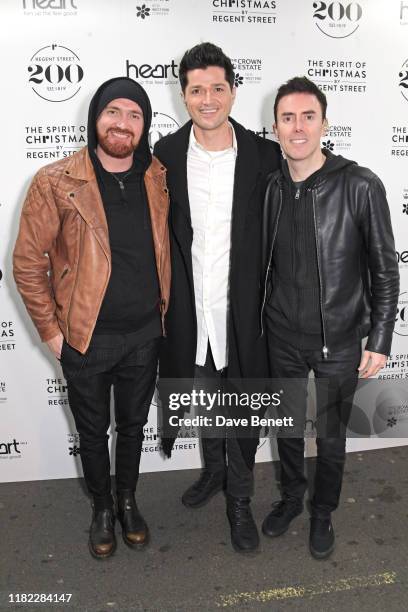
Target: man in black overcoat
x=217, y=172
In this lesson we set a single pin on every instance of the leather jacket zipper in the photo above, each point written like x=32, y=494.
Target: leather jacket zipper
x=325, y=350
x=270, y=257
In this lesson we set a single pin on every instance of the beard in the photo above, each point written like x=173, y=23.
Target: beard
x=120, y=150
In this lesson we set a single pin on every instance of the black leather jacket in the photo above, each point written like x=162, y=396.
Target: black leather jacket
x=357, y=265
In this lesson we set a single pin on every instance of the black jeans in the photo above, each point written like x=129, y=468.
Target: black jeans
x=334, y=404
x=223, y=453
x=116, y=361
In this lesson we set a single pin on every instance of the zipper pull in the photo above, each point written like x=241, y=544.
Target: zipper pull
x=325, y=352
x=297, y=194
x=121, y=185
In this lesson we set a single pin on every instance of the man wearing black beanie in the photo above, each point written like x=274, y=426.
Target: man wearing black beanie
x=92, y=264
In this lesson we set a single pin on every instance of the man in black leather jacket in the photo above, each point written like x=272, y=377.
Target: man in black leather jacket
x=331, y=279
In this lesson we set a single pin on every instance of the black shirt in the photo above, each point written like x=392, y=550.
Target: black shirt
x=131, y=302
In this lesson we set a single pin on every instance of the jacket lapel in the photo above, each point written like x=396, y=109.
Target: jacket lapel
x=247, y=169
x=89, y=204
x=180, y=215
x=157, y=199
x=178, y=171
x=87, y=199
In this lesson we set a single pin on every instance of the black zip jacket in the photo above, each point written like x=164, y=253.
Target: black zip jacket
x=357, y=266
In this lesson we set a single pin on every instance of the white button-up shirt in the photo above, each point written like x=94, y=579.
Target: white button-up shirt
x=210, y=179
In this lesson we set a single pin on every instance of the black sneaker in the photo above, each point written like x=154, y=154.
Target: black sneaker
x=204, y=489
x=321, y=542
x=284, y=511
x=244, y=533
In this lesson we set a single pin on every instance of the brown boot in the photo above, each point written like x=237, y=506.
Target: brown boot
x=102, y=540
x=135, y=532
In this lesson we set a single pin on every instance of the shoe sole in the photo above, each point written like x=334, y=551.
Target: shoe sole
x=321, y=555
x=101, y=557
x=204, y=502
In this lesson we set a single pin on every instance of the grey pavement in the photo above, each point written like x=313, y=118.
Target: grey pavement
x=190, y=564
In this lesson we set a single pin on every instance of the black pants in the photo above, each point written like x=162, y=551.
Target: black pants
x=116, y=361
x=223, y=452
x=334, y=403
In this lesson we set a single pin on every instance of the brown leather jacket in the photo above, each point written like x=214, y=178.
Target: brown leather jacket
x=62, y=259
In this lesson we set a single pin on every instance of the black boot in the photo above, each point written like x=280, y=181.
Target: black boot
x=135, y=532
x=102, y=540
x=321, y=542
x=279, y=519
x=244, y=534
x=204, y=489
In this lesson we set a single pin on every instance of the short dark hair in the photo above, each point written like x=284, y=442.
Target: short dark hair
x=300, y=85
x=204, y=55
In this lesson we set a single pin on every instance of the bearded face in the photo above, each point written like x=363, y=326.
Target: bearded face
x=119, y=128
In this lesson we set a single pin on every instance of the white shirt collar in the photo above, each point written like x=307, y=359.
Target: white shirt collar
x=193, y=142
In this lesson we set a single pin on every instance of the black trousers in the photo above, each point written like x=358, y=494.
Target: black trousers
x=223, y=453
x=334, y=404
x=116, y=361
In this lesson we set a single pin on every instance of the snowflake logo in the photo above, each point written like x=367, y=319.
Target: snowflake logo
x=74, y=450
x=405, y=208
x=142, y=11
x=239, y=80
x=391, y=422
x=328, y=144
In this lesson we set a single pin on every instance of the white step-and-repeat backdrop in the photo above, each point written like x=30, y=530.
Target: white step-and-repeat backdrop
x=55, y=53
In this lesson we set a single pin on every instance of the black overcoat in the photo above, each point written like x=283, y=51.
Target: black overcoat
x=247, y=357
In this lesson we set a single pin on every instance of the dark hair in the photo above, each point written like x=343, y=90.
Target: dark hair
x=300, y=85
x=204, y=55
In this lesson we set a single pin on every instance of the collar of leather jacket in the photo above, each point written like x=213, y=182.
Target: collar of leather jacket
x=80, y=167
x=333, y=163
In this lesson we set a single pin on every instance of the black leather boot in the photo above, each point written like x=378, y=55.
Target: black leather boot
x=283, y=513
x=244, y=533
x=102, y=540
x=135, y=531
x=321, y=541
x=203, y=489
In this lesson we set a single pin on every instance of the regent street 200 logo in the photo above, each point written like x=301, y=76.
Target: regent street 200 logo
x=337, y=19
x=55, y=73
